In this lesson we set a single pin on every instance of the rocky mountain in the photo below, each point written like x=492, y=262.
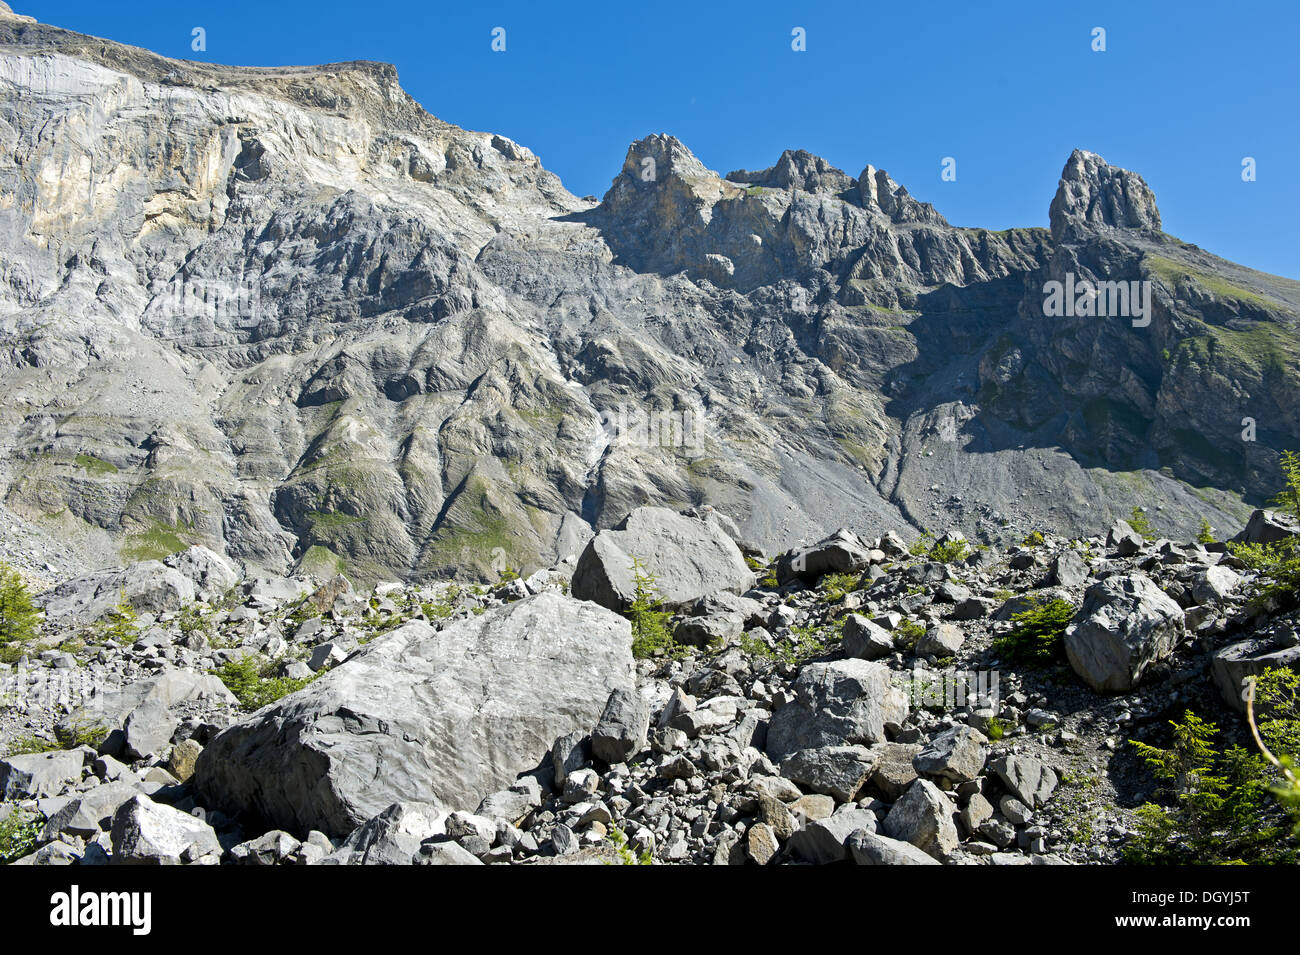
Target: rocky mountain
x=289, y=315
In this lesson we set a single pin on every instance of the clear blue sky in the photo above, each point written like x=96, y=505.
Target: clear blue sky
x=1182, y=93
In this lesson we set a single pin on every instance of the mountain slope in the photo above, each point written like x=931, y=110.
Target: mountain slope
x=288, y=314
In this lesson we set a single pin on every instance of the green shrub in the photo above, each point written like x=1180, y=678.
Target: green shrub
x=1278, y=564
x=20, y=833
x=119, y=624
x=1139, y=521
x=1036, y=638
x=19, y=619
x=835, y=587
x=921, y=546
x=623, y=849
x=1219, y=806
x=907, y=633
x=1206, y=534
x=1034, y=539
x=650, y=634
x=996, y=729
x=950, y=552
x=247, y=679
x=1288, y=499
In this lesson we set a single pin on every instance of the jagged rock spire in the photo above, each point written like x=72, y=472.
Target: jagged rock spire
x=1094, y=194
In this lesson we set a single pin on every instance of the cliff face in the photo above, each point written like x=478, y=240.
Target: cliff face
x=288, y=314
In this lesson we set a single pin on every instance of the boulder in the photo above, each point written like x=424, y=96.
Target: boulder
x=148, y=833
x=844, y=702
x=924, y=818
x=1122, y=539
x=870, y=848
x=148, y=586
x=1068, y=569
x=866, y=640
x=956, y=754
x=841, y=553
x=392, y=837
x=837, y=771
x=689, y=559
x=444, y=717
x=941, y=640
x=1028, y=779
x=1267, y=527
x=169, y=689
x=895, y=771
x=620, y=732
x=207, y=569
x=39, y=774
x=1231, y=665
x=1126, y=623
x=824, y=841
x=1214, y=584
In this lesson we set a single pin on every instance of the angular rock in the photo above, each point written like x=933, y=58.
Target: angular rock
x=924, y=817
x=841, y=553
x=1234, y=663
x=870, y=848
x=956, y=754
x=1126, y=623
x=847, y=701
x=941, y=640
x=837, y=771
x=148, y=833
x=824, y=841
x=620, y=732
x=1267, y=527
x=39, y=774
x=1214, y=584
x=865, y=640
x=392, y=837
x=1028, y=779
x=433, y=716
x=689, y=559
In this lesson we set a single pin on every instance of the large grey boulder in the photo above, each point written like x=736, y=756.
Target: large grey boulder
x=956, y=754
x=148, y=586
x=837, y=771
x=924, y=818
x=847, y=701
x=148, y=833
x=1267, y=527
x=153, y=696
x=444, y=717
x=391, y=837
x=38, y=774
x=823, y=841
x=207, y=569
x=1126, y=623
x=841, y=553
x=1231, y=665
x=689, y=559
x=1028, y=779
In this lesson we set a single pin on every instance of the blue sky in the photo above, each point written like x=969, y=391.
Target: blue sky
x=1182, y=93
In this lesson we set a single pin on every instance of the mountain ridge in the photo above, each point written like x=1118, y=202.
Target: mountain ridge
x=409, y=338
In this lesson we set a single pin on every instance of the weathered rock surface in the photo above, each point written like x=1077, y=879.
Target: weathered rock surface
x=445, y=717
x=1126, y=623
x=688, y=559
